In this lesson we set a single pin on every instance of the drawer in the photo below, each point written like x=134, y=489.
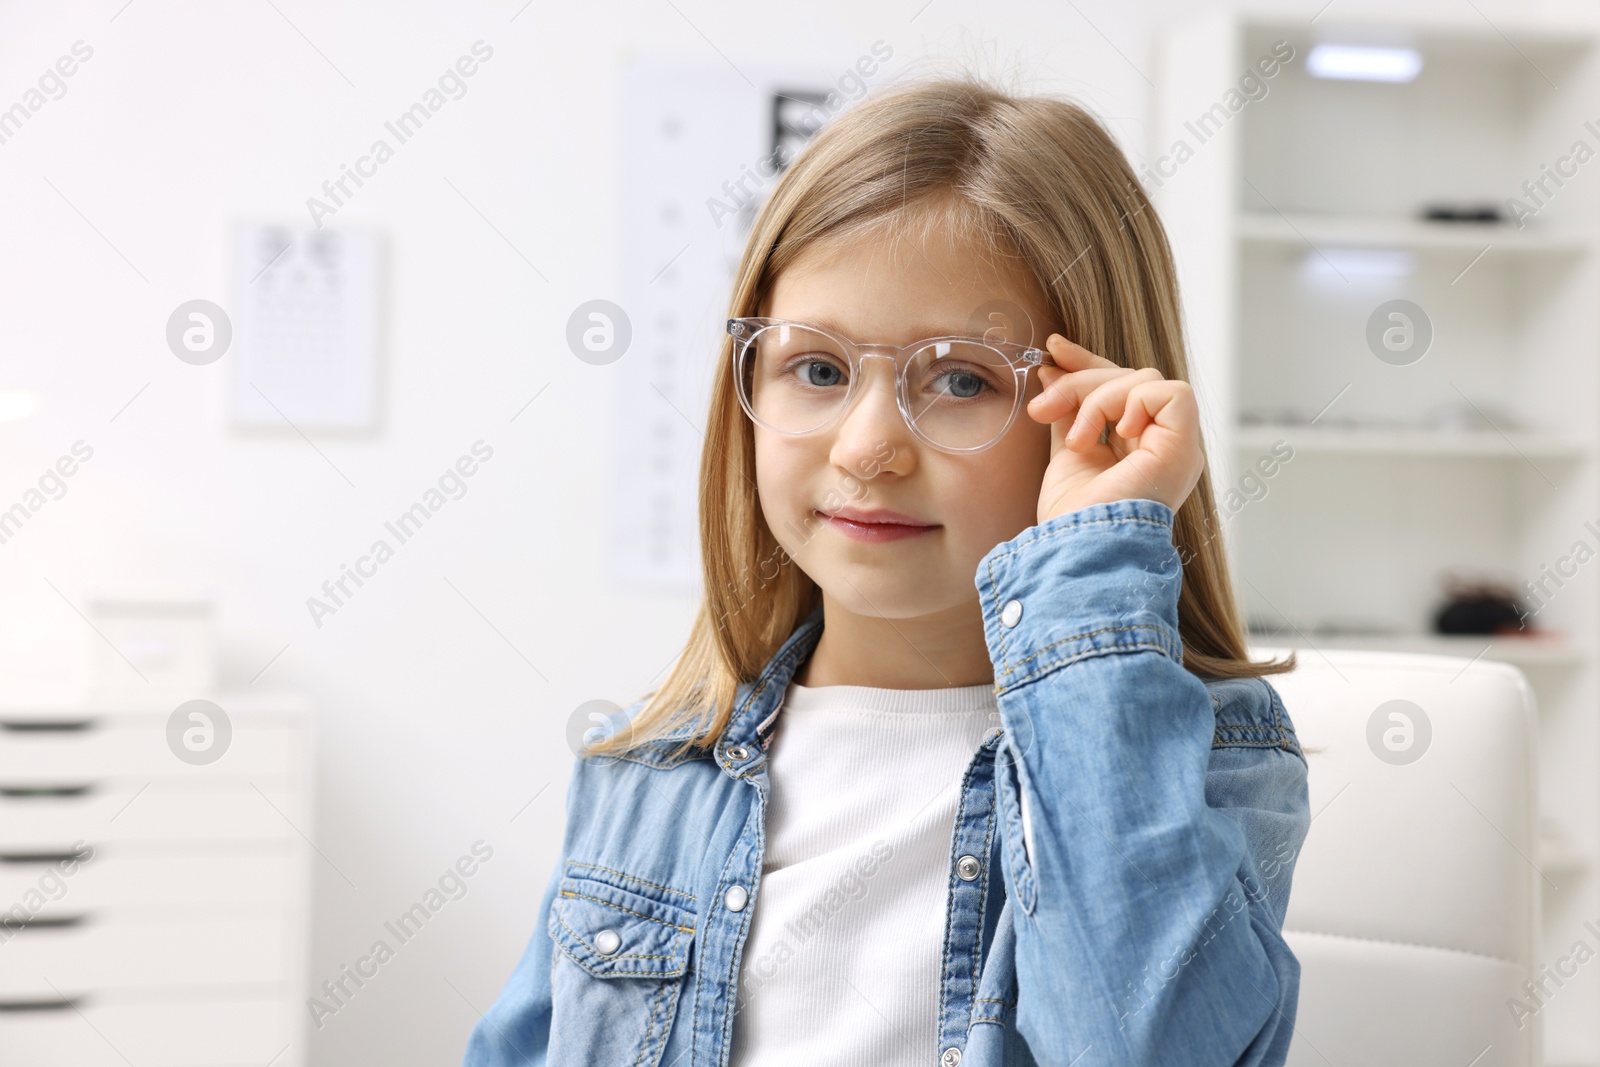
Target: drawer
x=149, y=876
x=129, y=953
x=155, y=810
x=108, y=745
x=193, y=1033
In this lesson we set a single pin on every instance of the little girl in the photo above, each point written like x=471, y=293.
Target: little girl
x=964, y=761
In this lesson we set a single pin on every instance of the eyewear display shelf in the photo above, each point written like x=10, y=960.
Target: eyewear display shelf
x=1360, y=458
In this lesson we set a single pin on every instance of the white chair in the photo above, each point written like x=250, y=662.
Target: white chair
x=1416, y=898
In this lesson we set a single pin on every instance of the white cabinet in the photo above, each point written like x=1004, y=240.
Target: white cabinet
x=1466, y=443
x=153, y=910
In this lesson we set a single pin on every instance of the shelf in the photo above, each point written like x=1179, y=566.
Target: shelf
x=1481, y=460
x=1257, y=227
x=1518, y=651
x=1402, y=442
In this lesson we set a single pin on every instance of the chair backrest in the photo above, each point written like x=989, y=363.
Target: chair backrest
x=1416, y=899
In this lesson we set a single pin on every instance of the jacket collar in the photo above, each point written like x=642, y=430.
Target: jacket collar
x=756, y=703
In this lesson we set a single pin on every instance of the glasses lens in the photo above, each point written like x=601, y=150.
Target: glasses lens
x=794, y=379
x=961, y=394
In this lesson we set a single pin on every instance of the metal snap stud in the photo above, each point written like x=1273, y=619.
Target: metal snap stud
x=967, y=867
x=736, y=897
x=606, y=942
x=1011, y=614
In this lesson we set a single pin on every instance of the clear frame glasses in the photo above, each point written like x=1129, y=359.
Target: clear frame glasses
x=958, y=394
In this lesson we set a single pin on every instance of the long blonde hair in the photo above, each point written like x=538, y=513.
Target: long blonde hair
x=1034, y=177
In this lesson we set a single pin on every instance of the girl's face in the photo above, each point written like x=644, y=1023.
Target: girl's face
x=945, y=511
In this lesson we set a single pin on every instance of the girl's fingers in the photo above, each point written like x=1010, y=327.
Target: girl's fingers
x=1071, y=356
x=1106, y=403
x=1147, y=401
x=1064, y=391
x=1139, y=410
x=1072, y=373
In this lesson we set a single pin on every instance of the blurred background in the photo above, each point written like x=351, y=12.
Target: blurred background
x=351, y=374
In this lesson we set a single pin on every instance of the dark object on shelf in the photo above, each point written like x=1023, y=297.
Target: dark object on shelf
x=1480, y=608
x=1448, y=212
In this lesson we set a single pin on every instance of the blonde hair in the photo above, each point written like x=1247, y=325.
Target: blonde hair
x=1030, y=176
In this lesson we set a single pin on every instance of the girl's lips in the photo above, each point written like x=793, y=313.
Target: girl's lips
x=861, y=527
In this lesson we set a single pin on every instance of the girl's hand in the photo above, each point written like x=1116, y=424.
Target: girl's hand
x=1153, y=452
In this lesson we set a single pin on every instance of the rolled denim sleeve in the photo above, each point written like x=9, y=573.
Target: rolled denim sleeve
x=1150, y=903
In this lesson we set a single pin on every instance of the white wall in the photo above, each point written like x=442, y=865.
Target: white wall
x=433, y=731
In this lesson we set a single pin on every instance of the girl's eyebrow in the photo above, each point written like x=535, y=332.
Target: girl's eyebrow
x=918, y=333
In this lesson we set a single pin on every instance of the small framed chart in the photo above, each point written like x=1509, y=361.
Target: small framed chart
x=305, y=329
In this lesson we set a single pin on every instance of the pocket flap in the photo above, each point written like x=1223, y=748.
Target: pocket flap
x=615, y=933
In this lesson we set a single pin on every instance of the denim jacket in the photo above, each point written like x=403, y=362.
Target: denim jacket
x=1142, y=926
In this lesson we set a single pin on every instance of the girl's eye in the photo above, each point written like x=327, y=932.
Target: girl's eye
x=820, y=373
x=960, y=384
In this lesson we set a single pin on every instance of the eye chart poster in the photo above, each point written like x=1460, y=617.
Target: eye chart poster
x=702, y=147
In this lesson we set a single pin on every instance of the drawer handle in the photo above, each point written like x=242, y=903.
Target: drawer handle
x=13, y=926
x=33, y=792
x=67, y=856
x=50, y=1004
x=39, y=726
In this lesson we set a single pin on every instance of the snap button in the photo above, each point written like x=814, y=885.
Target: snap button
x=735, y=897
x=967, y=867
x=951, y=1057
x=1011, y=614
x=606, y=942
x=738, y=752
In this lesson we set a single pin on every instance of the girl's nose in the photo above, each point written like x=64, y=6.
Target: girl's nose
x=873, y=419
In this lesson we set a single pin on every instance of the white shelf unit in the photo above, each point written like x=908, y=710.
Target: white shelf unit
x=1292, y=221
x=183, y=938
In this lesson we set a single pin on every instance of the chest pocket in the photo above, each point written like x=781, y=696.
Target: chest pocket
x=625, y=944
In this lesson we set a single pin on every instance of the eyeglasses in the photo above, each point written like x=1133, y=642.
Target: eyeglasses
x=958, y=394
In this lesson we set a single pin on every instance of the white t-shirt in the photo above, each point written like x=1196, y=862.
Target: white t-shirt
x=842, y=963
